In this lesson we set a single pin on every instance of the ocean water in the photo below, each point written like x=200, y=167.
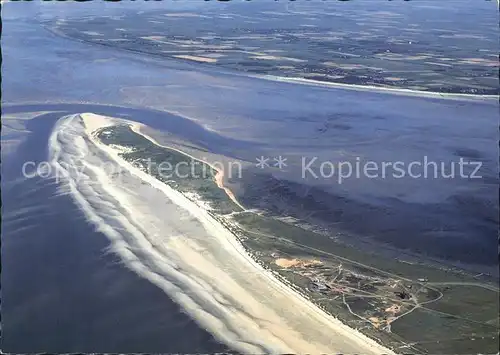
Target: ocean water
x=62, y=289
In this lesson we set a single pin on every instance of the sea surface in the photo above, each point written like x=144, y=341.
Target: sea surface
x=62, y=291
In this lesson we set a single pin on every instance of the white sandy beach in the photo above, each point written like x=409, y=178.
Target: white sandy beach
x=196, y=58
x=395, y=91
x=171, y=241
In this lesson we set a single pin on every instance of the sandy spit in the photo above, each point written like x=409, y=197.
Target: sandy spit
x=282, y=316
